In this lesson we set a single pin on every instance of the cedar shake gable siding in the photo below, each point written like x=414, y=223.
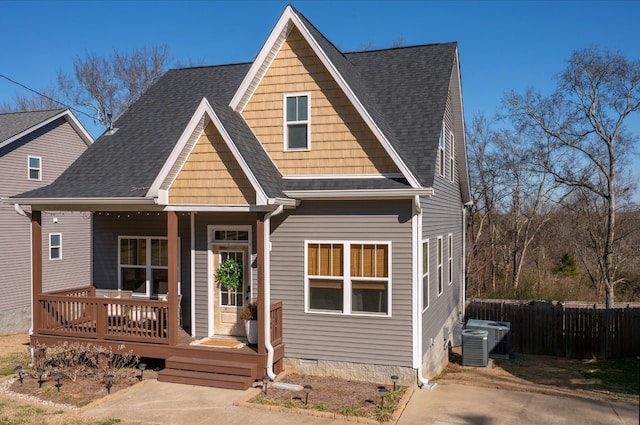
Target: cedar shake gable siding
x=211, y=175
x=341, y=143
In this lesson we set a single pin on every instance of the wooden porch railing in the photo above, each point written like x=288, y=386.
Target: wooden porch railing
x=79, y=313
x=276, y=323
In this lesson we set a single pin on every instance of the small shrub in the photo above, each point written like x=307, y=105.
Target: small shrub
x=83, y=360
x=322, y=407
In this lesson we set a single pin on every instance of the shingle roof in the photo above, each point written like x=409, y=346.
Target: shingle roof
x=403, y=89
x=14, y=123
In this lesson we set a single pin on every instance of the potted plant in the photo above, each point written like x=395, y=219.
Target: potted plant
x=229, y=275
x=249, y=314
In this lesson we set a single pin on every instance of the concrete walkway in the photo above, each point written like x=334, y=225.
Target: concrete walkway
x=163, y=403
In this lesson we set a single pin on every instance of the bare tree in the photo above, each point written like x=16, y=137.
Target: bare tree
x=42, y=101
x=107, y=86
x=585, y=119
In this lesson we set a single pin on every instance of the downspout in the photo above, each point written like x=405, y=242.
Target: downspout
x=23, y=213
x=267, y=289
x=464, y=265
x=423, y=382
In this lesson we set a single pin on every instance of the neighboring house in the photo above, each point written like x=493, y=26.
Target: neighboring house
x=35, y=148
x=338, y=181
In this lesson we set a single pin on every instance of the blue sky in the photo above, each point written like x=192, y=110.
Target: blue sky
x=503, y=45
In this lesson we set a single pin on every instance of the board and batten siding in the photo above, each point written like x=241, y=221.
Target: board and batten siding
x=442, y=215
x=58, y=145
x=359, y=339
x=202, y=280
x=108, y=226
x=341, y=142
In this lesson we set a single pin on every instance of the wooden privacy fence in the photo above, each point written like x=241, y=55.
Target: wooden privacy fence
x=564, y=330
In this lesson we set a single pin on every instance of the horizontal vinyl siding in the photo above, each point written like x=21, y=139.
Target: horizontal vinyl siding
x=360, y=339
x=442, y=215
x=58, y=145
x=73, y=270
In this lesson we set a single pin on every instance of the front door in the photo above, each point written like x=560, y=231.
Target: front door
x=227, y=304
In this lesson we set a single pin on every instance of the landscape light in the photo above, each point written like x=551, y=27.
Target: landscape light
x=265, y=383
x=40, y=372
x=307, y=390
x=142, y=367
x=18, y=370
x=108, y=379
x=394, y=378
x=383, y=391
x=58, y=375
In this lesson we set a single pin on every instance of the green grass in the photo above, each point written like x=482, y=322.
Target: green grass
x=618, y=376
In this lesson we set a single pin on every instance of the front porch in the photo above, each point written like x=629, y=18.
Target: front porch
x=143, y=328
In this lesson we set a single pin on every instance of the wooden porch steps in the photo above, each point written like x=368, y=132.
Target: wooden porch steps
x=208, y=372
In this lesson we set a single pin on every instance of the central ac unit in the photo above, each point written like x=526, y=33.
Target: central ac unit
x=499, y=338
x=474, y=348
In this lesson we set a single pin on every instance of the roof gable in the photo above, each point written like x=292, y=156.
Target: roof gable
x=342, y=71
x=15, y=125
x=188, y=142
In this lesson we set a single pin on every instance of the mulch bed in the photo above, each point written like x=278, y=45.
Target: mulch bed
x=334, y=397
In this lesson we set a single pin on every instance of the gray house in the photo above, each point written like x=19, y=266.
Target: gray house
x=35, y=148
x=338, y=181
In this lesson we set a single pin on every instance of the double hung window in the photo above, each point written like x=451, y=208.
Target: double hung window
x=144, y=265
x=296, y=129
x=452, y=152
x=348, y=277
x=34, y=168
x=55, y=246
x=441, y=144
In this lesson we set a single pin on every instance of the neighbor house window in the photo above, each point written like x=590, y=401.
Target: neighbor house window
x=450, y=257
x=452, y=152
x=348, y=277
x=144, y=265
x=441, y=144
x=425, y=275
x=35, y=168
x=296, y=129
x=55, y=246
x=440, y=275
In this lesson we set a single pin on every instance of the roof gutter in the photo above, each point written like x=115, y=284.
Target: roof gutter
x=359, y=193
x=267, y=288
x=80, y=201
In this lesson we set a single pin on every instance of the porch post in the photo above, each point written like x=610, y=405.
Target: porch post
x=36, y=269
x=172, y=291
x=260, y=299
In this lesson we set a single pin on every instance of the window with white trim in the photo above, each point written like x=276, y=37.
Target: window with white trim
x=450, y=258
x=425, y=275
x=55, y=246
x=440, y=272
x=144, y=265
x=441, y=144
x=348, y=277
x=34, y=168
x=297, y=131
x=452, y=147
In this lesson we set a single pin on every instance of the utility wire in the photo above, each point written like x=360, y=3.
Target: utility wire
x=45, y=96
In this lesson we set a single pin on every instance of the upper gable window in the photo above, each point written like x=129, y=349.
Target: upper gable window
x=296, y=126
x=441, y=149
x=35, y=168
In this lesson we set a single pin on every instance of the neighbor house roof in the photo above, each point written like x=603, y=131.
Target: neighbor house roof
x=403, y=91
x=15, y=125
